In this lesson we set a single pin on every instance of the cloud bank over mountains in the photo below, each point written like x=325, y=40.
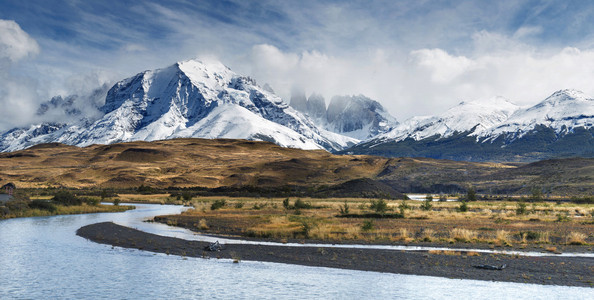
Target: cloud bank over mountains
x=415, y=58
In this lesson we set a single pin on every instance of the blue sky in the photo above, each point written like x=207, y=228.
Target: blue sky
x=415, y=57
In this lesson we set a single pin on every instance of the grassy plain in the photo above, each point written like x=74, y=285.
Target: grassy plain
x=545, y=225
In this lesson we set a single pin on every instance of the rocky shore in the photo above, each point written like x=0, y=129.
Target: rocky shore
x=550, y=270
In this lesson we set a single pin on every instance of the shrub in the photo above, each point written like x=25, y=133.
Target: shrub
x=471, y=194
x=463, y=206
x=379, y=206
x=563, y=217
x=116, y=201
x=443, y=198
x=43, y=205
x=427, y=205
x=286, y=204
x=300, y=204
x=66, y=198
x=344, y=209
x=403, y=206
x=521, y=208
x=217, y=204
x=187, y=196
x=367, y=225
x=91, y=201
x=238, y=205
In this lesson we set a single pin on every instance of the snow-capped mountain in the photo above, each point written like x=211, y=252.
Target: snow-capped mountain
x=495, y=130
x=562, y=111
x=358, y=117
x=474, y=117
x=188, y=99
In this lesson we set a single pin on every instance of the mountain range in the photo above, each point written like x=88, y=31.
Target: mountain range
x=188, y=99
x=562, y=125
x=205, y=99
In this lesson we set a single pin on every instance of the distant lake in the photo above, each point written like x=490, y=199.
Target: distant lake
x=42, y=258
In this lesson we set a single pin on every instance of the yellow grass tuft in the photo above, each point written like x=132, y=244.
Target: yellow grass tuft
x=463, y=235
x=202, y=224
x=576, y=238
x=503, y=237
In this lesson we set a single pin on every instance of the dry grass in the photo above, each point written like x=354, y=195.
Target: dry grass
x=442, y=225
x=576, y=238
x=428, y=235
x=502, y=237
x=463, y=235
x=202, y=224
x=445, y=252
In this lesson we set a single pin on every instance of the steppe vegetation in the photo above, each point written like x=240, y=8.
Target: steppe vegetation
x=491, y=223
x=62, y=202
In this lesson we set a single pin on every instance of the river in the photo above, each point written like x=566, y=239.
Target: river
x=42, y=258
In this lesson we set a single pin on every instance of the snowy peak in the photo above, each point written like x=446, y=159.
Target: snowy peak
x=562, y=111
x=474, y=117
x=357, y=117
x=188, y=99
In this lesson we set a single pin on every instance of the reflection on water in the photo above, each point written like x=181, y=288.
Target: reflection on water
x=42, y=258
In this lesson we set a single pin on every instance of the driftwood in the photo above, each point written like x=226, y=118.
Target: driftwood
x=215, y=247
x=490, y=267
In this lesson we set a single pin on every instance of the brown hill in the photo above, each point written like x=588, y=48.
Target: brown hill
x=239, y=163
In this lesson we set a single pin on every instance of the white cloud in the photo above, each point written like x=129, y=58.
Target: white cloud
x=428, y=81
x=443, y=67
x=15, y=44
x=18, y=93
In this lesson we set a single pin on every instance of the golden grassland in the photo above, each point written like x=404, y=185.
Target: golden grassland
x=238, y=163
x=66, y=210
x=497, y=224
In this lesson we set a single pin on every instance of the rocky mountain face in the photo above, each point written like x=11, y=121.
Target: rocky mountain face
x=358, y=117
x=495, y=130
x=188, y=99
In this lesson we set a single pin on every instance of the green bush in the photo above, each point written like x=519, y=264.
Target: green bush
x=187, y=196
x=286, y=204
x=463, y=206
x=427, y=205
x=218, y=204
x=521, y=208
x=91, y=201
x=116, y=201
x=300, y=204
x=65, y=197
x=379, y=206
x=43, y=205
x=471, y=194
x=368, y=225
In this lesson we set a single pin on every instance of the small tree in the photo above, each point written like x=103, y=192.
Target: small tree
x=471, y=194
x=379, y=206
x=521, y=208
x=463, y=206
x=187, y=196
x=116, y=201
x=443, y=198
x=536, y=194
x=402, y=207
x=65, y=197
x=427, y=203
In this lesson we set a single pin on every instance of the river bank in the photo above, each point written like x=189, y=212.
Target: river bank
x=549, y=270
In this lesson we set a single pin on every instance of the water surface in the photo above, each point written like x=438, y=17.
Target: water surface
x=42, y=258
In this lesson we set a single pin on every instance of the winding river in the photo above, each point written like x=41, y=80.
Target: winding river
x=42, y=258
